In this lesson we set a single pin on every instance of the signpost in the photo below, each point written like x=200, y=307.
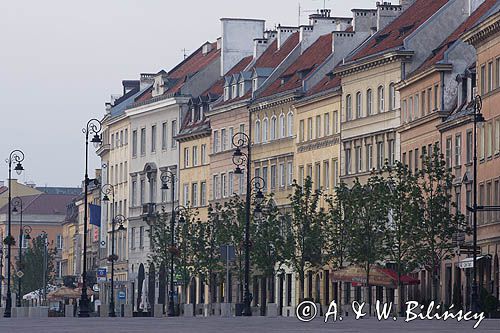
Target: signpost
x=102, y=273
x=122, y=295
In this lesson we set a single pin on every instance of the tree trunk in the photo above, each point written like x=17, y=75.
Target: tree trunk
x=301, y=287
x=368, y=289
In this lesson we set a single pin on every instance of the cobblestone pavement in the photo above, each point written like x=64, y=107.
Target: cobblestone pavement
x=239, y=325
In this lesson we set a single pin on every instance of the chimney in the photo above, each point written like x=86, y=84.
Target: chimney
x=473, y=5
x=146, y=79
x=321, y=24
x=364, y=19
x=31, y=184
x=284, y=33
x=259, y=46
x=270, y=35
x=206, y=48
x=129, y=85
x=386, y=13
x=237, y=40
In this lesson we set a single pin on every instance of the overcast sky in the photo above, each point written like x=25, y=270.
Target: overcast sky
x=60, y=60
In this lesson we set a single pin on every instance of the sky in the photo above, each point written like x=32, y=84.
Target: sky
x=60, y=61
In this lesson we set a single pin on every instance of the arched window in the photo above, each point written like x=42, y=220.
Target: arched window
x=348, y=107
x=290, y=123
x=282, y=126
x=359, y=110
x=392, y=97
x=369, y=104
x=273, y=127
x=265, y=125
x=257, y=131
x=381, y=105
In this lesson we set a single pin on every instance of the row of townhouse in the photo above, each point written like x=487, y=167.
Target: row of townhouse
x=331, y=100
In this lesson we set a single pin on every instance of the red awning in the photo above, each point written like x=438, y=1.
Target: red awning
x=379, y=276
x=405, y=279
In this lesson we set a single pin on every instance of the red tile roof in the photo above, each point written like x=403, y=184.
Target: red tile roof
x=438, y=53
x=195, y=62
x=44, y=204
x=3, y=189
x=393, y=35
x=325, y=84
x=218, y=87
x=272, y=57
x=314, y=56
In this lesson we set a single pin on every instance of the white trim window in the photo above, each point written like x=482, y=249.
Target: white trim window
x=289, y=170
x=273, y=128
x=290, y=123
x=265, y=125
x=348, y=107
x=359, y=105
x=257, y=131
x=381, y=103
x=369, y=103
x=282, y=126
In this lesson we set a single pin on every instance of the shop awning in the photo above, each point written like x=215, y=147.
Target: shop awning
x=382, y=277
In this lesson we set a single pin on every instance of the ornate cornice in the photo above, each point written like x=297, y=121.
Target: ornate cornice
x=490, y=27
x=318, y=144
x=372, y=62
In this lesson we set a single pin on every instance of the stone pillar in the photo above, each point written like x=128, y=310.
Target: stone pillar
x=188, y=310
x=158, y=310
x=272, y=310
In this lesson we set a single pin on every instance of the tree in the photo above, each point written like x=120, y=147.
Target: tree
x=438, y=222
x=368, y=214
x=36, y=260
x=305, y=239
x=402, y=234
x=268, y=243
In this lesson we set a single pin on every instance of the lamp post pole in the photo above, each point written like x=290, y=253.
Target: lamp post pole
x=24, y=232
x=16, y=156
x=1, y=273
x=166, y=177
x=93, y=127
x=117, y=219
x=45, y=266
x=107, y=190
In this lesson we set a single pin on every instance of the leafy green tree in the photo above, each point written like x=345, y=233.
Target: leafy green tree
x=438, y=222
x=403, y=234
x=306, y=238
x=34, y=259
x=368, y=214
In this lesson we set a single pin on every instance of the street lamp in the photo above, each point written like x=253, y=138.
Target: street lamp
x=118, y=219
x=241, y=140
x=1, y=272
x=24, y=232
x=93, y=128
x=45, y=265
x=169, y=177
x=107, y=190
x=16, y=156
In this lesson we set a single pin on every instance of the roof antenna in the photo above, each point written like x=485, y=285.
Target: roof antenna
x=184, y=52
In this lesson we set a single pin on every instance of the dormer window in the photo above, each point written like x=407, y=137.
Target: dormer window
x=255, y=84
x=242, y=89
x=226, y=93
x=234, y=93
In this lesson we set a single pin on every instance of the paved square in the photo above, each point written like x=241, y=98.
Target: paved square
x=239, y=325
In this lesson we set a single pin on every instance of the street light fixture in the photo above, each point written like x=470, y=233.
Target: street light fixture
x=24, y=232
x=93, y=127
x=16, y=156
x=107, y=190
x=118, y=219
x=240, y=159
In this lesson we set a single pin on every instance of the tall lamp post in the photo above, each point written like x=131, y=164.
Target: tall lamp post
x=118, y=219
x=93, y=128
x=241, y=140
x=24, y=233
x=107, y=190
x=1, y=273
x=16, y=156
x=169, y=177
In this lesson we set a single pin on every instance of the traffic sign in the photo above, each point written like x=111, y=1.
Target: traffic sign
x=121, y=294
x=101, y=274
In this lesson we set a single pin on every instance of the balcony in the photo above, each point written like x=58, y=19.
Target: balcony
x=148, y=211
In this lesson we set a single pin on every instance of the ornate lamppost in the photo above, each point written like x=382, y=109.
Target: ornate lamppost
x=93, y=128
x=118, y=219
x=24, y=233
x=16, y=156
x=241, y=159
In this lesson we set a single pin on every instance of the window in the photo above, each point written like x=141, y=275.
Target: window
x=392, y=152
x=335, y=122
x=381, y=106
x=359, y=105
x=194, y=194
x=301, y=131
x=347, y=161
x=59, y=241
x=230, y=137
x=234, y=92
x=469, y=146
x=126, y=136
x=357, y=152
x=112, y=141
x=265, y=124
x=226, y=93
x=264, y=176
x=203, y=193
x=380, y=155
x=143, y=141
x=348, y=107
x=141, y=237
x=164, y=137
x=290, y=123
x=436, y=97
x=195, y=155
x=490, y=76
x=273, y=127
x=143, y=191
x=257, y=131
x=216, y=142
x=186, y=157
x=335, y=172
x=416, y=108
x=132, y=238
x=242, y=89
x=282, y=175
x=392, y=97
x=410, y=109
x=153, y=138
x=242, y=130
x=134, y=143
x=404, y=111
x=121, y=138
x=301, y=175
x=309, y=128
x=317, y=176
x=410, y=160
x=223, y=139
x=289, y=169
x=185, y=197
x=497, y=136
x=424, y=111
x=369, y=103
x=429, y=94
x=203, y=154
x=497, y=73
x=282, y=126
x=273, y=176
x=309, y=171
x=489, y=139
x=174, y=133
x=223, y=178
x=318, y=127
x=327, y=124
x=458, y=150
x=369, y=157
x=134, y=193
x=231, y=183
x=416, y=159
x=481, y=146
x=326, y=174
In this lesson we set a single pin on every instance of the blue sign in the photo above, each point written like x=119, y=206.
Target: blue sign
x=101, y=274
x=121, y=294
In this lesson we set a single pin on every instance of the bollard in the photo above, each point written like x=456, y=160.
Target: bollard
x=158, y=310
x=225, y=310
x=272, y=310
x=69, y=310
